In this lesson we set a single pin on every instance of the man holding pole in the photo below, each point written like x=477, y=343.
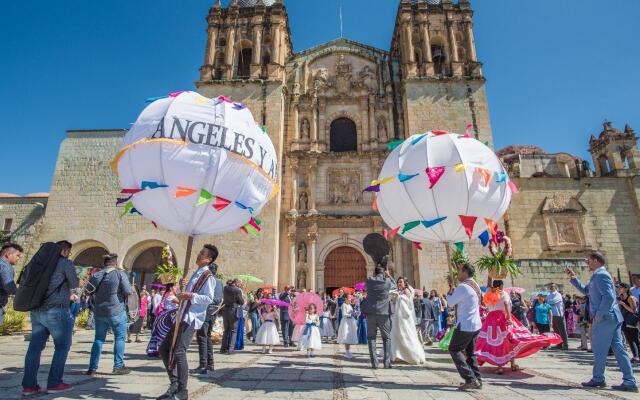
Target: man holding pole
x=194, y=300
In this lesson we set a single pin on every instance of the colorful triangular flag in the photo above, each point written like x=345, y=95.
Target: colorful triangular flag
x=419, y=138
x=466, y=133
x=501, y=177
x=513, y=187
x=393, y=145
x=417, y=245
x=130, y=191
x=434, y=174
x=486, y=174
x=204, y=198
x=382, y=181
x=492, y=226
x=410, y=225
x=460, y=246
x=254, y=224
x=176, y=94
x=152, y=185
x=374, y=205
x=390, y=233
x=404, y=178
x=237, y=203
x=372, y=188
x=459, y=167
x=429, y=224
x=484, y=238
x=154, y=224
x=438, y=133
x=182, y=191
x=468, y=222
x=123, y=200
x=127, y=209
x=221, y=203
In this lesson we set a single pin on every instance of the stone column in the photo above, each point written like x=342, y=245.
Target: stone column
x=293, y=171
x=293, y=250
x=256, y=67
x=275, y=43
x=391, y=130
x=311, y=180
x=314, y=123
x=295, y=112
x=471, y=42
x=408, y=34
x=322, y=132
x=230, y=50
x=426, y=49
x=312, y=236
x=372, y=123
x=210, y=54
x=453, y=44
x=365, y=134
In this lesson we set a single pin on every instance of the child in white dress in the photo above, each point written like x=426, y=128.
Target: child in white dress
x=310, y=339
x=326, y=324
x=268, y=335
x=348, y=330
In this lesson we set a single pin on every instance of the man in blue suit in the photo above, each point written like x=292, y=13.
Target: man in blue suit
x=607, y=323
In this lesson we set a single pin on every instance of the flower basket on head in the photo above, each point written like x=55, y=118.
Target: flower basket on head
x=167, y=278
x=499, y=264
x=167, y=271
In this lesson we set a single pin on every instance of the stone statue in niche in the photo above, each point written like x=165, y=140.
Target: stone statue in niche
x=368, y=78
x=304, y=129
x=303, y=201
x=302, y=279
x=320, y=80
x=344, y=187
x=382, y=134
x=302, y=252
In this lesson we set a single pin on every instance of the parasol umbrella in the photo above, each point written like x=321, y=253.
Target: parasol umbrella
x=360, y=286
x=299, y=305
x=196, y=166
x=275, y=302
x=249, y=278
x=157, y=285
x=268, y=287
x=512, y=290
x=344, y=289
x=442, y=187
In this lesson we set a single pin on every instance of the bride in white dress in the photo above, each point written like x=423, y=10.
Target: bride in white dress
x=405, y=344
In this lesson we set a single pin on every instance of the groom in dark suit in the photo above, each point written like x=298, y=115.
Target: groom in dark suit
x=378, y=310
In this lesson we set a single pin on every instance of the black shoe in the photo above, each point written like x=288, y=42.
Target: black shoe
x=592, y=384
x=181, y=395
x=91, y=372
x=121, y=371
x=173, y=388
x=625, y=388
x=470, y=386
x=199, y=371
x=211, y=367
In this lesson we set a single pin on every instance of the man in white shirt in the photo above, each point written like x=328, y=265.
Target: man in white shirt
x=198, y=294
x=466, y=298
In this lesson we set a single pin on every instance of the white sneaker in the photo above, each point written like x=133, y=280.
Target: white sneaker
x=347, y=354
x=270, y=350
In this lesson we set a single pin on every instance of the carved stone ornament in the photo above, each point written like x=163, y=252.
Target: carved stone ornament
x=344, y=76
x=301, y=279
x=564, y=218
x=303, y=202
x=343, y=187
x=302, y=252
x=304, y=128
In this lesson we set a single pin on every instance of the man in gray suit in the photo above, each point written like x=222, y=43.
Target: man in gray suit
x=378, y=309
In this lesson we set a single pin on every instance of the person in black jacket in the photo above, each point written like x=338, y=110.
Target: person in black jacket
x=285, y=322
x=233, y=300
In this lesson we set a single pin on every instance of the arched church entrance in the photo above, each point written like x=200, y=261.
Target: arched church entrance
x=145, y=265
x=344, y=266
x=91, y=257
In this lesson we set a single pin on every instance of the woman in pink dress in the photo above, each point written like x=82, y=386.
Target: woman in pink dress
x=503, y=338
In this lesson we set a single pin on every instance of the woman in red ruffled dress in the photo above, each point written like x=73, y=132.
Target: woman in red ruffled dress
x=503, y=338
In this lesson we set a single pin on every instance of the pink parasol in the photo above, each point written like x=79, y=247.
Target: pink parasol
x=299, y=306
x=360, y=286
x=511, y=290
x=275, y=302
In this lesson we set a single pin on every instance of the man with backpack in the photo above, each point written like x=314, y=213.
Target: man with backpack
x=52, y=318
x=9, y=256
x=110, y=288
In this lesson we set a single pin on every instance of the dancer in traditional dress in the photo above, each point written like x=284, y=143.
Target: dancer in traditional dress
x=310, y=339
x=348, y=329
x=326, y=324
x=267, y=335
x=502, y=337
x=405, y=344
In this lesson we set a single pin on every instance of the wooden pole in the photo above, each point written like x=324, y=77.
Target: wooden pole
x=450, y=265
x=179, y=315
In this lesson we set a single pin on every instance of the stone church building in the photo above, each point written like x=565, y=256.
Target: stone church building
x=331, y=111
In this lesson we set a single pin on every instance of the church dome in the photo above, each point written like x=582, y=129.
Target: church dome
x=252, y=3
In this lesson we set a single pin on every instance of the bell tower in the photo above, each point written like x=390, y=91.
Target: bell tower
x=615, y=153
x=248, y=40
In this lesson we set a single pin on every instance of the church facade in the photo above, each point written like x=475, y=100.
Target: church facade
x=331, y=111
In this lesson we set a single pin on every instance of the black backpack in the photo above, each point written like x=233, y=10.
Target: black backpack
x=34, y=279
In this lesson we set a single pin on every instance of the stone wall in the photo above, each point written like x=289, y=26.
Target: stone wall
x=27, y=214
x=446, y=104
x=610, y=222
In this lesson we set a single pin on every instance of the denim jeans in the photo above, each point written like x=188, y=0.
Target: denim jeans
x=118, y=325
x=255, y=325
x=58, y=323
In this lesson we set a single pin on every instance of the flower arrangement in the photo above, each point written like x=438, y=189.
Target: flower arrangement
x=500, y=263
x=167, y=271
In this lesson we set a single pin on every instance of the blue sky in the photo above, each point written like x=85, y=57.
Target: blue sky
x=555, y=69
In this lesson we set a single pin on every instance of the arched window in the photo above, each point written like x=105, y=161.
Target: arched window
x=438, y=55
x=343, y=136
x=222, y=42
x=604, y=165
x=244, y=62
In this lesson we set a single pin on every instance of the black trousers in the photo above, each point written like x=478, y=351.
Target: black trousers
x=543, y=328
x=230, y=322
x=151, y=319
x=205, y=344
x=285, y=324
x=560, y=327
x=180, y=374
x=462, y=351
x=633, y=339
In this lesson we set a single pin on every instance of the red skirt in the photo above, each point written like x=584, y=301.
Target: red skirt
x=498, y=344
